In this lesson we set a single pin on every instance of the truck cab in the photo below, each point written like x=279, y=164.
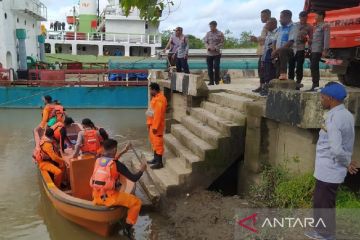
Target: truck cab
x=344, y=20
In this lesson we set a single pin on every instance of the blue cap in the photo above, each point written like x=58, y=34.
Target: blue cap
x=334, y=90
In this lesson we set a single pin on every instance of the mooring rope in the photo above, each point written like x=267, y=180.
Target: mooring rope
x=30, y=96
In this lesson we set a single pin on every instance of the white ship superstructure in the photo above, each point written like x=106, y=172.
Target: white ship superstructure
x=107, y=33
x=20, y=22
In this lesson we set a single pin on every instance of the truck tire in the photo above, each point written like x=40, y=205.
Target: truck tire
x=352, y=76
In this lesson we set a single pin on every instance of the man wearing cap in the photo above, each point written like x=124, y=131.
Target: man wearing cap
x=214, y=41
x=333, y=156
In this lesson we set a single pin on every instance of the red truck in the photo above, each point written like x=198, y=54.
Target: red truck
x=344, y=19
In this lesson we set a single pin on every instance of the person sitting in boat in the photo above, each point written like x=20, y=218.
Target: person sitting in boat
x=48, y=157
x=57, y=114
x=90, y=139
x=104, y=180
x=52, y=111
x=46, y=110
x=60, y=133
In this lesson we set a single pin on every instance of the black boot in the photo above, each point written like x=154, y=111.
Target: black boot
x=158, y=163
x=153, y=161
x=313, y=88
x=128, y=230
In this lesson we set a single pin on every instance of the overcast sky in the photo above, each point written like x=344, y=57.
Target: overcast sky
x=194, y=15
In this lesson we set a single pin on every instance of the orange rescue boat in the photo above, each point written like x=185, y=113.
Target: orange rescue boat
x=75, y=204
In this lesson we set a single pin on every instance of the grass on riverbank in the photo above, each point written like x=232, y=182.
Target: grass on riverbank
x=278, y=188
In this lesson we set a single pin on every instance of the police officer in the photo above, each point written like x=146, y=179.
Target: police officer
x=319, y=47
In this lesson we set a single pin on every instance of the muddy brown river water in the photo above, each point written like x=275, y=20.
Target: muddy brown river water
x=25, y=211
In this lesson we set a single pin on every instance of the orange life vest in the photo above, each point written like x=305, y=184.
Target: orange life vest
x=102, y=179
x=58, y=112
x=92, y=141
x=57, y=127
x=40, y=155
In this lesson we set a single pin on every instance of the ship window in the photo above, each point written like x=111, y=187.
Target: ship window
x=17, y=20
x=33, y=25
x=5, y=16
x=25, y=22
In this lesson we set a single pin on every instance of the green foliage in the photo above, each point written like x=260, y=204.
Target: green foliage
x=230, y=41
x=242, y=42
x=295, y=193
x=150, y=10
x=165, y=36
x=263, y=193
x=195, y=43
x=347, y=199
x=245, y=40
x=279, y=188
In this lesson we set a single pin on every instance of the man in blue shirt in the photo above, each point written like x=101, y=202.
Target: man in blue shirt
x=283, y=45
x=333, y=156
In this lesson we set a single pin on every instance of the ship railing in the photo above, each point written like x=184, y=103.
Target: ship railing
x=105, y=37
x=33, y=7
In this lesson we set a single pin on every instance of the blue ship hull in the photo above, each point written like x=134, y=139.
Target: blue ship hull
x=75, y=97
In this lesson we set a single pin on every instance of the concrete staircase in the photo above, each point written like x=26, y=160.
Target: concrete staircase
x=203, y=145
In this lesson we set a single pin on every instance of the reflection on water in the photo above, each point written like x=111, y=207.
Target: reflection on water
x=26, y=213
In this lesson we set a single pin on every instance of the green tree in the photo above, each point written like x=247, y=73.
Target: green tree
x=150, y=10
x=195, y=43
x=165, y=36
x=245, y=41
x=230, y=40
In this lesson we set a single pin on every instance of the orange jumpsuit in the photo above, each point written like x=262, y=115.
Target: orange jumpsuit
x=48, y=148
x=46, y=114
x=156, y=120
x=116, y=198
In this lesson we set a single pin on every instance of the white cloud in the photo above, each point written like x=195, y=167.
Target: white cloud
x=194, y=15
x=236, y=15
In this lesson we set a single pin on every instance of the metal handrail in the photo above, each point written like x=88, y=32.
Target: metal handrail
x=105, y=37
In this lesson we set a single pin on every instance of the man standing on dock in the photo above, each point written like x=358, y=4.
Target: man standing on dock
x=283, y=46
x=214, y=41
x=333, y=156
x=265, y=16
x=319, y=47
x=182, y=52
x=156, y=124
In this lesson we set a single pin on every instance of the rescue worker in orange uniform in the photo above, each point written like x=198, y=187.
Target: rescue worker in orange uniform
x=60, y=133
x=89, y=140
x=57, y=114
x=107, y=171
x=48, y=157
x=51, y=110
x=49, y=106
x=156, y=124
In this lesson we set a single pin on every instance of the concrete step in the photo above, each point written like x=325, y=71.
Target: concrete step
x=191, y=141
x=164, y=179
x=224, y=112
x=147, y=183
x=177, y=166
x=202, y=130
x=178, y=149
x=230, y=100
x=222, y=125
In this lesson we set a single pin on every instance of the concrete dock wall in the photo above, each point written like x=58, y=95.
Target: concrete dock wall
x=280, y=130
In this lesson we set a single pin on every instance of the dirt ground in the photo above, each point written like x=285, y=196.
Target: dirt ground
x=203, y=215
